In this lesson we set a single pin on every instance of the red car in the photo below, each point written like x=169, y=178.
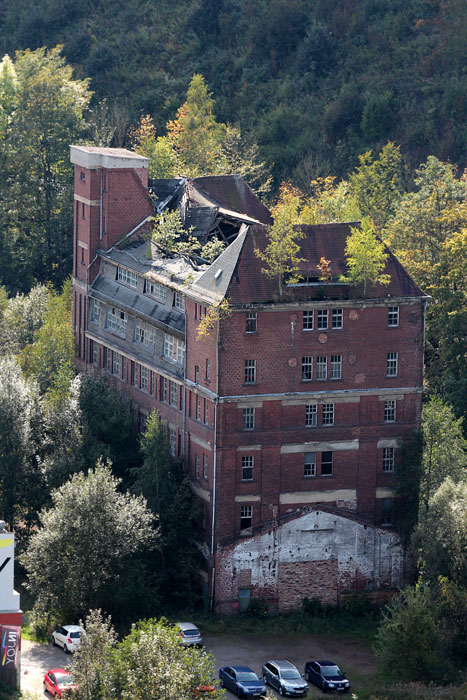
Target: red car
x=57, y=681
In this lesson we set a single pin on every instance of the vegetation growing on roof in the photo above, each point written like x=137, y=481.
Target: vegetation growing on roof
x=213, y=316
x=172, y=238
x=366, y=257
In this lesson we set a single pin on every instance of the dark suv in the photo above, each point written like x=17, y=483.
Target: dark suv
x=327, y=676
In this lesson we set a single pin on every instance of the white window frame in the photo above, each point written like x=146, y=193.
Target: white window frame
x=307, y=368
x=328, y=414
x=321, y=368
x=392, y=362
x=336, y=367
x=246, y=515
x=388, y=459
x=128, y=277
x=251, y=322
x=116, y=363
x=311, y=416
x=322, y=322
x=95, y=310
x=337, y=321
x=198, y=407
x=248, y=463
x=308, y=321
x=116, y=320
x=250, y=371
x=144, y=381
x=248, y=419
x=309, y=464
x=144, y=336
x=156, y=290
x=179, y=301
x=393, y=316
x=390, y=408
x=173, y=393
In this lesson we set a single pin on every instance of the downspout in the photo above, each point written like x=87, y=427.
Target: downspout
x=100, y=207
x=213, y=518
x=184, y=397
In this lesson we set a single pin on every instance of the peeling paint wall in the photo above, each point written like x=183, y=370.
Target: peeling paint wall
x=316, y=555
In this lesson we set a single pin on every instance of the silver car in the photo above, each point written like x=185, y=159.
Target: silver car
x=190, y=634
x=67, y=637
x=284, y=677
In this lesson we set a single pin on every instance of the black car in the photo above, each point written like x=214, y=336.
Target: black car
x=327, y=676
x=242, y=681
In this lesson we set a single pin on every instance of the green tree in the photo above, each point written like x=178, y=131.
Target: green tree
x=377, y=184
x=442, y=534
x=408, y=472
x=92, y=661
x=21, y=318
x=93, y=533
x=36, y=187
x=151, y=663
x=366, y=257
x=158, y=150
x=162, y=481
x=281, y=255
x=444, y=448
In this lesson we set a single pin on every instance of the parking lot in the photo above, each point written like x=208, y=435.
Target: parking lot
x=250, y=650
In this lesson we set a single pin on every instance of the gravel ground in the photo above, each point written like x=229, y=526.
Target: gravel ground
x=250, y=650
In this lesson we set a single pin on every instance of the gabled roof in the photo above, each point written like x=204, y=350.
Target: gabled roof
x=233, y=196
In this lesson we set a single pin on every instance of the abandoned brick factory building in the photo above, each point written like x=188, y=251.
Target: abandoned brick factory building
x=289, y=414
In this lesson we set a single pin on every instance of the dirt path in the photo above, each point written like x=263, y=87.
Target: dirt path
x=248, y=649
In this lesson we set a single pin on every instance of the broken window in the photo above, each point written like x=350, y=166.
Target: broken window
x=326, y=463
x=307, y=368
x=127, y=277
x=251, y=321
x=247, y=468
x=250, y=371
x=309, y=468
x=116, y=320
x=387, y=511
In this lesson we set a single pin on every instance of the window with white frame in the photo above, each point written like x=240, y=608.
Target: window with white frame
x=247, y=468
x=393, y=316
x=336, y=366
x=173, y=442
x=391, y=366
x=173, y=393
x=307, y=368
x=251, y=322
x=198, y=407
x=169, y=342
x=321, y=367
x=308, y=317
x=145, y=335
x=206, y=411
x=123, y=368
x=164, y=389
x=157, y=290
x=387, y=511
x=108, y=359
x=328, y=414
x=205, y=466
x=311, y=414
x=196, y=374
x=337, y=319
x=127, y=277
x=326, y=463
x=179, y=301
x=95, y=310
x=197, y=460
x=322, y=321
x=388, y=459
x=389, y=410
x=144, y=378
x=246, y=517
x=116, y=320
x=250, y=371
x=94, y=352
x=135, y=376
x=180, y=355
x=309, y=468
x=248, y=418
x=116, y=363
x=208, y=370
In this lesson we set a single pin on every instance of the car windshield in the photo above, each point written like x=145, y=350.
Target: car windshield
x=74, y=635
x=290, y=675
x=331, y=671
x=191, y=633
x=247, y=676
x=64, y=680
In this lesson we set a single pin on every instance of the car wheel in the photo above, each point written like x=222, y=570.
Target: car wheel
x=265, y=680
x=44, y=687
x=281, y=691
x=323, y=687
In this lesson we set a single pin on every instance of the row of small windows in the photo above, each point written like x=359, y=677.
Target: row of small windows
x=321, y=368
x=327, y=415
x=151, y=287
x=314, y=462
x=321, y=319
x=387, y=514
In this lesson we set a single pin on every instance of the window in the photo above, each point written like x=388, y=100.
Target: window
x=95, y=310
x=205, y=466
x=247, y=468
x=116, y=363
x=144, y=378
x=82, y=176
x=164, y=388
x=208, y=370
x=326, y=463
x=206, y=411
x=173, y=442
x=180, y=356
x=156, y=290
x=135, y=376
x=197, y=466
x=168, y=346
x=310, y=416
x=309, y=468
x=94, y=352
x=328, y=414
x=127, y=277
x=251, y=322
x=83, y=210
x=246, y=514
x=108, y=359
x=393, y=316
x=308, y=320
x=145, y=336
x=248, y=418
x=322, y=319
x=116, y=320
x=173, y=393
x=123, y=369
x=198, y=407
x=336, y=366
x=337, y=319
x=250, y=371
x=388, y=459
x=196, y=374
x=321, y=367
x=179, y=301
x=387, y=511
x=173, y=349
x=391, y=364
x=307, y=368
x=389, y=411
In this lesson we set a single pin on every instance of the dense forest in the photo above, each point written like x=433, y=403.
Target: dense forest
x=314, y=84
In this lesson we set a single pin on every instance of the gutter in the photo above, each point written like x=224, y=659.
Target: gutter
x=213, y=519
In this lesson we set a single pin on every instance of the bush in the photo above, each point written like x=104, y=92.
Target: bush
x=257, y=608
x=312, y=606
